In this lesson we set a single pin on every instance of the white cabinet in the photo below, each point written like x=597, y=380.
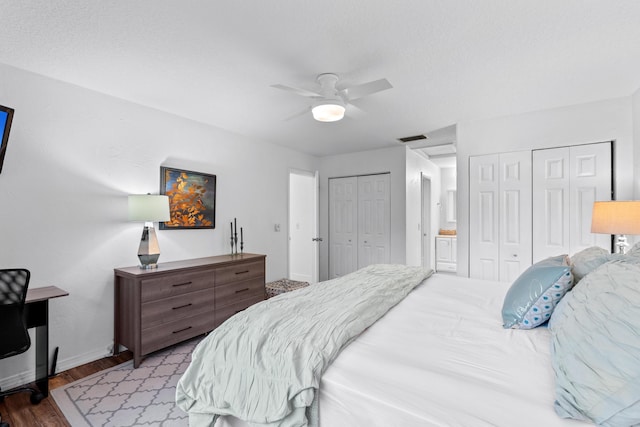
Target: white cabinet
x=446, y=249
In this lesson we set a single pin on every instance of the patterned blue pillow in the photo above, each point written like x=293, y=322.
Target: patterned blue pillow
x=533, y=296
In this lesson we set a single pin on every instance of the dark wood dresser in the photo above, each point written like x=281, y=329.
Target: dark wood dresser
x=180, y=300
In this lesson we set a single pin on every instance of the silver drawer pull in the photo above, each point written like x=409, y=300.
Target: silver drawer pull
x=182, y=330
x=182, y=306
x=242, y=272
x=242, y=290
x=181, y=284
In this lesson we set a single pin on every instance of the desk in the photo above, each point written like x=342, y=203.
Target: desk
x=37, y=316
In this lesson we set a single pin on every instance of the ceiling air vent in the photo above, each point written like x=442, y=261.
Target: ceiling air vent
x=412, y=138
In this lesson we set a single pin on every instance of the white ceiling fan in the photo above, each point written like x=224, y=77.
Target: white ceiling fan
x=330, y=102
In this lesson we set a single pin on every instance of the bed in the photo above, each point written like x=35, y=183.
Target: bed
x=440, y=357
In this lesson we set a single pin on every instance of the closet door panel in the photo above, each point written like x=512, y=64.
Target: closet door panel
x=566, y=182
x=374, y=224
x=590, y=181
x=342, y=226
x=515, y=214
x=550, y=202
x=483, y=218
x=359, y=222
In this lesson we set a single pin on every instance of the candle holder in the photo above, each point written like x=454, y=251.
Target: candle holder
x=234, y=238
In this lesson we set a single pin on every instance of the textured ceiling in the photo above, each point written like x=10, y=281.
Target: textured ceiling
x=448, y=61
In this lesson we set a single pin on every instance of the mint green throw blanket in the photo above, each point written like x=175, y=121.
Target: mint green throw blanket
x=264, y=364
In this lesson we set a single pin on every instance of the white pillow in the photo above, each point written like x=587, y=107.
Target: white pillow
x=587, y=260
x=595, y=347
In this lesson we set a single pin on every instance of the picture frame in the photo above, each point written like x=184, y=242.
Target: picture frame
x=192, y=198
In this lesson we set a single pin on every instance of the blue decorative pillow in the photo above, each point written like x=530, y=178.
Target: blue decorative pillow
x=533, y=296
x=595, y=347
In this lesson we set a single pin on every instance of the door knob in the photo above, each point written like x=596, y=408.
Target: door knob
x=316, y=239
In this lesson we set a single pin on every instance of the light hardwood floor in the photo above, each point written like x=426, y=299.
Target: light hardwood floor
x=18, y=411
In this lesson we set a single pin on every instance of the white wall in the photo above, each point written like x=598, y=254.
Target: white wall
x=635, y=99
x=390, y=160
x=607, y=120
x=417, y=164
x=73, y=156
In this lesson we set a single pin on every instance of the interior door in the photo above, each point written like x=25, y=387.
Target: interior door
x=343, y=231
x=374, y=224
x=425, y=226
x=303, y=226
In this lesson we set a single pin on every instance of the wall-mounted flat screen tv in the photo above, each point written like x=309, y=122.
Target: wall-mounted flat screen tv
x=6, y=115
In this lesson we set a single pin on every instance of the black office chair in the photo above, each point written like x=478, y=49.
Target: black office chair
x=14, y=336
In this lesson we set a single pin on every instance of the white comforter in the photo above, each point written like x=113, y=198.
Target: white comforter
x=441, y=358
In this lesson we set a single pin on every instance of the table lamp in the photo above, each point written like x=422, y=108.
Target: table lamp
x=149, y=208
x=616, y=217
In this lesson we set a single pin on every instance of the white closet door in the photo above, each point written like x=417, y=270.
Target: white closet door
x=566, y=182
x=515, y=214
x=484, y=246
x=590, y=181
x=374, y=224
x=342, y=226
x=550, y=202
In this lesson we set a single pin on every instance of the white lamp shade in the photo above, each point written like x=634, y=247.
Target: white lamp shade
x=616, y=217
x=149, y=208
x=328, y=111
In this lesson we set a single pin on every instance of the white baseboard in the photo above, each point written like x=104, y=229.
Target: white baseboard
x=300, y=277
x=29, y=376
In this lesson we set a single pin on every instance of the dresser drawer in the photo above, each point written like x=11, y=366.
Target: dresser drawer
x=224, y=312
x=239, y=272
x=161, y=311
x=174, y=332
x=175, y=284
x=229, y=293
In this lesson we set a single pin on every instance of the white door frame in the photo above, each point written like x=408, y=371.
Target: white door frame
x=314, y=213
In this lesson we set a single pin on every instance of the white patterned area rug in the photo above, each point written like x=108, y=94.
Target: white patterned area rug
x=122, y=396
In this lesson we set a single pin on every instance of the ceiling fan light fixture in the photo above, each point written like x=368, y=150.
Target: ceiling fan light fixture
x=328, y=110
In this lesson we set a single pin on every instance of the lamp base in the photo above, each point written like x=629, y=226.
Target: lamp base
x=147, y=264
x=149, y=250
x=621, y=243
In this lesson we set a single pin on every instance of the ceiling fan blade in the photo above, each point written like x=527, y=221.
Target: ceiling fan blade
x=354, y=111
x=359, y=91
x=301, y=92
x=298, y=114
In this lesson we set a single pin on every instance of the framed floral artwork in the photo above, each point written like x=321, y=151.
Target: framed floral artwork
x=192, y=198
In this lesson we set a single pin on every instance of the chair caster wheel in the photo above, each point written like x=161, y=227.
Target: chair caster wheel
x=35, y=398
